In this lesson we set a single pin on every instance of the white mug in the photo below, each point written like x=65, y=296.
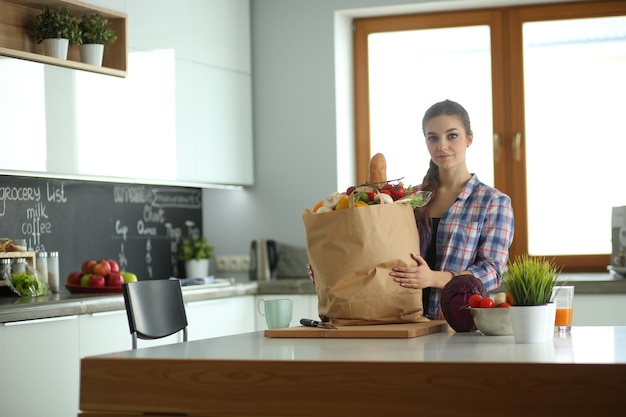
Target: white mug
x=277, y=311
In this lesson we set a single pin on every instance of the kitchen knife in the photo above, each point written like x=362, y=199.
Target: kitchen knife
x=315, y=323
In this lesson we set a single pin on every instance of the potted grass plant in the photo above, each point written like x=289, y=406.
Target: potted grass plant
x=195, y=253
x=95, y=35
x=530, y=281
x=57, y=29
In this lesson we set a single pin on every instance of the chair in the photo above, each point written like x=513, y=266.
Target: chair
x=155, y=309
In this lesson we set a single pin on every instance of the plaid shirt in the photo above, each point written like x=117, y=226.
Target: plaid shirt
x=474, y=235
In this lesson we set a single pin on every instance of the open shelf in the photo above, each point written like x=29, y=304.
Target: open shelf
x=17, y=16
x=30, y=258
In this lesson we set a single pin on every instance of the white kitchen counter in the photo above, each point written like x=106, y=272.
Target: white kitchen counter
x=584, y=344
x=446, y=374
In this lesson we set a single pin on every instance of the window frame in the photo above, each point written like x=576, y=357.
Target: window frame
x=508, y=95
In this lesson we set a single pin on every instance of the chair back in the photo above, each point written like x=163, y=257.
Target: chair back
x=155, y=309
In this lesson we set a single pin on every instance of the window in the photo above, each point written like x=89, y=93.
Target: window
x=542, y=85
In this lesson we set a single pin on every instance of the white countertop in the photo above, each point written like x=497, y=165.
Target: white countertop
x=584, y=345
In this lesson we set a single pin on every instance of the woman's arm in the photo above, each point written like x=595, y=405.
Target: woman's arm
x=492, y=252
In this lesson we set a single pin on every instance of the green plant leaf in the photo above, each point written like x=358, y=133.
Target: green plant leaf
x=530, y=280
x=56, y=23
x=95, y=29
x=196, y=248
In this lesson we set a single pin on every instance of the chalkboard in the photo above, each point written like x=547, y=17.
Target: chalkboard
x=138, y=225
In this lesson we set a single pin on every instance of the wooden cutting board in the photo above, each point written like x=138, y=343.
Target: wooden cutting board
x=391, y=331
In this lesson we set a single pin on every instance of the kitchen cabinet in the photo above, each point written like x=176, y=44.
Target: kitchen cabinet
x=182, y=115
x=304, y=306
x=42, y=356
x=221, y=317
x=40, y=367
x=16, y=16
x=103, y=332
x=107, y=332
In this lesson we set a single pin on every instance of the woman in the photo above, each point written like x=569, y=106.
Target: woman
x=467, y=227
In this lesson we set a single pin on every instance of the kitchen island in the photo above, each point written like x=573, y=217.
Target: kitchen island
x=582, y=373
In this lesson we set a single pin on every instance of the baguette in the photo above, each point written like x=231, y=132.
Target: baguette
x=377, y=171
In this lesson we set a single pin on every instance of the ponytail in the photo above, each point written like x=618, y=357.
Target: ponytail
x=422, y=217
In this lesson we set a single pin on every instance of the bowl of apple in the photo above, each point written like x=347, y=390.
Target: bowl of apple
x=103, y=276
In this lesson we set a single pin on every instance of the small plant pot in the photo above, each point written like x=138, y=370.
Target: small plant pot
x=197, y=268
x=56, y=48
x=529, y=323
x=551, y=316
x=92, y=53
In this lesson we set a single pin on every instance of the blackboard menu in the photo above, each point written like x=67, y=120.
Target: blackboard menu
x=138, y=225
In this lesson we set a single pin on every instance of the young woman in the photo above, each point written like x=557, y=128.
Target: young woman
x=467, y=227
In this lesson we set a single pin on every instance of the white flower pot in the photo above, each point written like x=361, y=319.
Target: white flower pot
x=551, y=317
x=529, y=323
x=92, y=53
x=56, y=48
x=197, y=268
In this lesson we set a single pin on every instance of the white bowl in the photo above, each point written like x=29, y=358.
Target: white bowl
x=494, y=321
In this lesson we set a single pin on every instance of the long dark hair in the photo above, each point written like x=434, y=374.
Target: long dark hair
x=431, y=180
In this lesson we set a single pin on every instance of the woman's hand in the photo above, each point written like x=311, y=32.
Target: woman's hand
x=420, y=276
x=310, y=271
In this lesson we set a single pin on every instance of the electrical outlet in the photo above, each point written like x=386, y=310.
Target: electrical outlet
x=222, y=263
x=233, y=263
x=244, y=263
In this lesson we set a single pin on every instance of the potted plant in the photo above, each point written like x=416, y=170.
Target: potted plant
x=530, y=281
x=195, y=253
x=57, y=29
x=95, y=34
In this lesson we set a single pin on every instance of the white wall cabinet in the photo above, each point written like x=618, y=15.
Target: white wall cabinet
x=304, y=306
x=39, y=367
x=220, y=317
x=183, y=113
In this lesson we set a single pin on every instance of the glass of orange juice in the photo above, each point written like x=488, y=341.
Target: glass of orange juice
x=563, y=296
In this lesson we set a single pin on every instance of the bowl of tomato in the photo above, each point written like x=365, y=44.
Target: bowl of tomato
x=494, y=321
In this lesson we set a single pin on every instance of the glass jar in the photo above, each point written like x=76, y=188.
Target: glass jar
x=41, y=261
x=5, y=268
x=53, y=271
x=19, y=266
x=20, y=244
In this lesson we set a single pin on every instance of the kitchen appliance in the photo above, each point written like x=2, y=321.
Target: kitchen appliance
x=618, y=238
x=263, y=259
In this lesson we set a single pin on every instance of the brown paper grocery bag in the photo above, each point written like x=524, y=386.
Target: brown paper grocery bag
x=351, y=252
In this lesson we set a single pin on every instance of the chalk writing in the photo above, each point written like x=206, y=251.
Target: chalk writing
x=154, y=216
x=177, y=198
x=142, y=229
x=138, y=225
x=149, y=258
x=18, y=194
x=120, y=229
x=55, y=194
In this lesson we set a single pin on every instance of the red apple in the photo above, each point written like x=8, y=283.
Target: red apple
x=114, y=279
x=114, y=265
x=74, y=278
x=102, y=268
x=96, y=281
x=88, y=266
